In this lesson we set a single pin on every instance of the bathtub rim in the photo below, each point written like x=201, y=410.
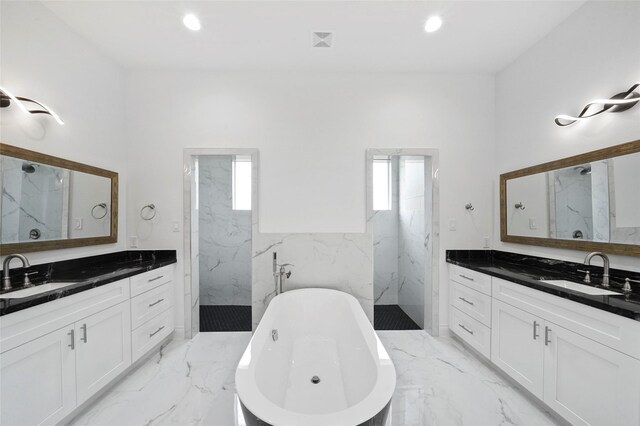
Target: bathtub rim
x=258, y=404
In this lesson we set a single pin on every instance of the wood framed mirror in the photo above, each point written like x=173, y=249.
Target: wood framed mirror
x=587, y=202
x=51, y=203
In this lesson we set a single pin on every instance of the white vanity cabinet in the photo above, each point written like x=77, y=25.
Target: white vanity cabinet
x=537, y=339
x=103, y=349
x=582, y=362
x=39, y=380
x=589, y=383
x=56, y=355
x=151, y=309
x=470, y=308
x=46, y=374
x=517, y=346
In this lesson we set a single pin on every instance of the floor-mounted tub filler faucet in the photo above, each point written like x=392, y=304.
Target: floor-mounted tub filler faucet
x=605, y=259
x=280, y=275
x=6, y=279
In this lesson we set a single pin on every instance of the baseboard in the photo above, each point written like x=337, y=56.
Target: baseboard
x=444, y=330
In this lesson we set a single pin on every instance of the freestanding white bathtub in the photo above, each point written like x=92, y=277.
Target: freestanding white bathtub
x=315, y=360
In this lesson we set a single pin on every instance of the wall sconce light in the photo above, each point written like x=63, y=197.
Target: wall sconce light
x=7, y=97
x=618, y=103
x=469, y=207
x=519, y=206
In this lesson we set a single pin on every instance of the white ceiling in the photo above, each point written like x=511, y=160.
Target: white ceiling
x=477, y=36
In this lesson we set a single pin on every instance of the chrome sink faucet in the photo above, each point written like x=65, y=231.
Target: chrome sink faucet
x=6, y=280
x=605, y=259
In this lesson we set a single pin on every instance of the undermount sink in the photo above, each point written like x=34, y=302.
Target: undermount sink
x=42, y=288
x=581, y=288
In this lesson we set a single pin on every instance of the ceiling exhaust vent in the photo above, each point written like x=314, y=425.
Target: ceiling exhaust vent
x=322, y=39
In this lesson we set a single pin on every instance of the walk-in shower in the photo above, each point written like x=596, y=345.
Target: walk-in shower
x=402, y=225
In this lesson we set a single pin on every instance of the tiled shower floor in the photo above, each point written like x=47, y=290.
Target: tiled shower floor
x=392, y=317
x=225, y=318
x=192, y=383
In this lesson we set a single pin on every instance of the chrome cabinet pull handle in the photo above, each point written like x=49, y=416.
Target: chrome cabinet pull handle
x=156, y=332
x=72, y=333
x=155, y=303
x=466, y=301
x=547, y=332
x=156, y=278
x=535, y=330
x=84, y=329
x=466, y=329
x=467, y=278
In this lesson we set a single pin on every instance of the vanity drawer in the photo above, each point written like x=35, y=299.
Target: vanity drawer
x=150, y=334
x=149, y=304
x=476, y=334
x=475, y=304
x=152, y=279
x=473, y=279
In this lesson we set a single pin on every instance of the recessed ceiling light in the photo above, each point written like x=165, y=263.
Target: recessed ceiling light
x=191, y=21
x=433, y=24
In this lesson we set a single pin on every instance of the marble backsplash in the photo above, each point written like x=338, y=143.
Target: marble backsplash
x=224, y=237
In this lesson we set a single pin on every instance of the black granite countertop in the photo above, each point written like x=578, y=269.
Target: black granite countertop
x=88, y=272
x=528, y=270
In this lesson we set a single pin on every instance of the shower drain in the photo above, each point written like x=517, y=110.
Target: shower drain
x=315, y=380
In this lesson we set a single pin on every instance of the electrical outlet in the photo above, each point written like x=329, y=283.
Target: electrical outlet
x=133, y=241
x=486, y=242
x=176, y=227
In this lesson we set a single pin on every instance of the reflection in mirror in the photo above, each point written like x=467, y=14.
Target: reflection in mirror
x=48, y=202
x=597, y=201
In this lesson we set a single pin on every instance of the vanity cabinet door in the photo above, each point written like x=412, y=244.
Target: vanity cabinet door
x=589, y=383
x=517, y=345
x=103, y=343
x=38, y=380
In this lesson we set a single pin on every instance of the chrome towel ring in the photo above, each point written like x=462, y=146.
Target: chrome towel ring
x=148, y=212
x=102, y=206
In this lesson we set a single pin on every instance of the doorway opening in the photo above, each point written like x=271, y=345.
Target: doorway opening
x=402, y=222
x=221, y=216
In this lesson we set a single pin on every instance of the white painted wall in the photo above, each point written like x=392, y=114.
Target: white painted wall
x=591, y=55
x=44, y=59
x=532, y=192
x=627, y=186
x=87, y=192
x=312, y=131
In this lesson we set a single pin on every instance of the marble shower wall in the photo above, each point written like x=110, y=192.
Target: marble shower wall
x=37, y=200
x=224, y=237
x=600, y=200
x=573, y=207
x=385, y=247
x=340, y=261
x=411, y=237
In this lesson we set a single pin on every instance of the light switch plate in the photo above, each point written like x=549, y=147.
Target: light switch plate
x=77, y=223
x=533, y=223
x=176, y=227
x=452, y=225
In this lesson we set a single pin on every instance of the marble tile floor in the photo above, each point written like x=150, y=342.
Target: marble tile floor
x=192, y=383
